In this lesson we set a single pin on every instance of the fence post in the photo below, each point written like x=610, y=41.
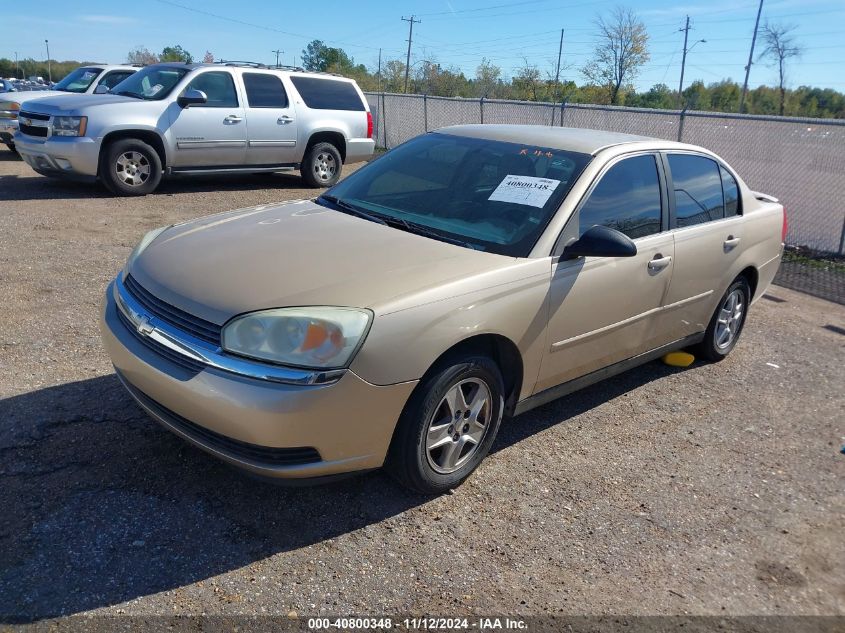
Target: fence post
x=384, y=119
x=842, y=239
x=681, y=125
x=481, y=107
x=425, y=111
x=562, y=111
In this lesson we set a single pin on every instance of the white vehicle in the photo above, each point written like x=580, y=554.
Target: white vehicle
x=83, y=80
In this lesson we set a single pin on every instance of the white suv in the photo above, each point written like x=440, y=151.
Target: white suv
x=84, y=80
x=183, y=119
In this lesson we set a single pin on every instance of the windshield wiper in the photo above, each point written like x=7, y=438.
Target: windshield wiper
x=351, y=208
x=421, y=229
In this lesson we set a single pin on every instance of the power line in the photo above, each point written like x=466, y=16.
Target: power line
x=278, y=52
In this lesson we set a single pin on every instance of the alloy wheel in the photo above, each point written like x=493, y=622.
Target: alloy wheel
x=458, y=425
x=133, y=168
x=730, y=319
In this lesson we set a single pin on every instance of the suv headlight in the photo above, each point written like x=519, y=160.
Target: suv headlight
x=145, y=241
x=315, y=338
x=9, y=109
x=69, y=125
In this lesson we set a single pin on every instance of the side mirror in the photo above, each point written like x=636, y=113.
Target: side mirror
x=100, y=90
x=191, y=97
x=601, y=241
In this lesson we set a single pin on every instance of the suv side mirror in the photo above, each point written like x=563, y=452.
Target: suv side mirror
x=100, y=90
x=601, y=241
x=191, y=97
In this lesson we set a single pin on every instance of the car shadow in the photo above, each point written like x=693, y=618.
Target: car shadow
x=36, y=187
x=8, y=155
x=101, y=505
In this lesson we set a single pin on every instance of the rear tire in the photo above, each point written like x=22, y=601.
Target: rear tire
x=727, y=322
x=321, y=165
x=448, y=425
x=130, y=167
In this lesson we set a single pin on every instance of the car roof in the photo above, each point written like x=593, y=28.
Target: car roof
x=583, y=140
x=249, y=66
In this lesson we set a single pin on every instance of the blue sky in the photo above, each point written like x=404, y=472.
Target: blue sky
x=452, y=32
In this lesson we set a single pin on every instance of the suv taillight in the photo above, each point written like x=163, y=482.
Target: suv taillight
x=369, y=125
x=785, y=227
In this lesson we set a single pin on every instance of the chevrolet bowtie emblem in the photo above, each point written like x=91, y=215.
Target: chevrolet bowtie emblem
x=26, y=121
x=145, y=328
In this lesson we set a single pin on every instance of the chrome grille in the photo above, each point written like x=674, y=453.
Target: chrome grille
x=199, y=328
x=192, y=366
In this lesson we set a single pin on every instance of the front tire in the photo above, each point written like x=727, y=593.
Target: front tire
x=130, y=167
x=448, y=426
x=727, y=322
x=12, y=147
x=321, y=165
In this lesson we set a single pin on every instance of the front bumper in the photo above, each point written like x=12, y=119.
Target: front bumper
x=8, y=127
x=73, y=157
x=257, y=424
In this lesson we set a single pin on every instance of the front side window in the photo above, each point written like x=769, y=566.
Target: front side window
x=698, y=189
x=627, y=199
x=114, y=78
x=264, y=91
x=489, y=195
x=151, y=83
x=328, y=94
x=219, y=88
x=79, y=80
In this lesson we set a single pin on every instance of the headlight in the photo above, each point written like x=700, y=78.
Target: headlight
x=9, y=109
x=319, y=337
x=145, y=241
x=69, y=125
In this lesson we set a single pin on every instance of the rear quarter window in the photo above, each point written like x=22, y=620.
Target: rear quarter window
x=328, y=94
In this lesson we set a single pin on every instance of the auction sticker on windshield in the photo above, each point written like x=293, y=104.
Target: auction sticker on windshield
x=527, y=190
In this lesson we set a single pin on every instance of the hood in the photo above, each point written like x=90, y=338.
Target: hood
x=296, y=254
x=71, y=102
x=28, y=95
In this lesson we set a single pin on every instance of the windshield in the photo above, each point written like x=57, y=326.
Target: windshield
x=490, y=195
x=151, y=83
x=79, y=80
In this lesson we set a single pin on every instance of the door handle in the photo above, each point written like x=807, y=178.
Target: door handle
x=658, y=262
x=284, y=120
x=232, y=119
x=731, y=242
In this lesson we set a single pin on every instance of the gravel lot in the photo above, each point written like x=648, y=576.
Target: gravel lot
x=716, y=489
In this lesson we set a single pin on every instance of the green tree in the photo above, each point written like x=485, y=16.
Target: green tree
x=317, y=57
x=176, y=54
x=487, y=78
x=621, y=51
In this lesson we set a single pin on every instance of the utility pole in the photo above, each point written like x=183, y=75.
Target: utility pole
x=557, y=70
x=16, y=64
x=49, y=71
x=683, y=64
x=278, y=52
x=750, y=58
x=410, y=22
x=379, y=70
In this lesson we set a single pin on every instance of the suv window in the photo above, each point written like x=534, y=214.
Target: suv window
x=218, y=86
x=328, y=94
x=627, y=199
x=731, y=190
x=114, y=78
x=264, y=91
x=698, y=189
x=78, y=80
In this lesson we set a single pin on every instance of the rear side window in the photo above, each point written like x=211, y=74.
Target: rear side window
x=627, y=199
x=218, y=87
x=114, y=78
x=264, y=91
x=328, y=94
x=731, y=190
x=698, y=189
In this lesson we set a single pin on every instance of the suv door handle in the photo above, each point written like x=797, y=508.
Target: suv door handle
x=731, y=242
x=659, y=262
x=284, y=120
x=232, y=119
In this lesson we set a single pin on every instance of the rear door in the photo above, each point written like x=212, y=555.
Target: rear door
x=271, y=120
x=212, y=134
x=707, y=227
x=604, y=309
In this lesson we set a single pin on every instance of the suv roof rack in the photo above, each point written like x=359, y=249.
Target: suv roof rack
x=233, y=62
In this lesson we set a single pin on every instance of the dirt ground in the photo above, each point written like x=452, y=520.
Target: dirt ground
x=716, y=489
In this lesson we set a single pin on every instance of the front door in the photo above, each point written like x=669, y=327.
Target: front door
x=212, y=134
x=271, y=120
x=604, y=309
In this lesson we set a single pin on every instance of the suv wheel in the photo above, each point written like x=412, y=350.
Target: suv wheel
x=448, y=426
x=130, y=168
x=321, y=165
x=12, y=147
x=726, y=324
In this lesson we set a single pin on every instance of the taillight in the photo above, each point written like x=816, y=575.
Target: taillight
x=785, y=227
x=370, y=126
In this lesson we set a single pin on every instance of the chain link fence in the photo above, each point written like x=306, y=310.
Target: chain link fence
x=799, y=161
